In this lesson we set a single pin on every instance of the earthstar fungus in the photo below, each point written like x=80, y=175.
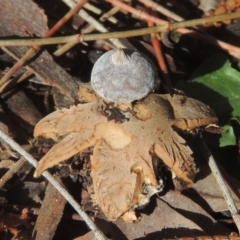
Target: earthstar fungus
x=121, y=161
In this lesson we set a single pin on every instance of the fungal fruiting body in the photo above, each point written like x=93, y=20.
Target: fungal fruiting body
x=121, y=160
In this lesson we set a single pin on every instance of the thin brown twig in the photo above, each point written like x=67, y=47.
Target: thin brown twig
x=35, y=48
x=9, y=174
x=17, y=66
x=94, y=24
x=232, y=50
x=68, y=15
x=210, y=39
x=100, y=27
x=7, y=85
x=159, y=55
x=133, y=33
x=16, y=79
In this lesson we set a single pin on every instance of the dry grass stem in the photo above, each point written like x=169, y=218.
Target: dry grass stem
x=64, y=48
x=109, y=15
x=92, y=8
x=162, y=10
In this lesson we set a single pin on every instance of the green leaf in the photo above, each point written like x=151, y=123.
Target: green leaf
x=228, y=137
x=237, y=119
x=217, y=84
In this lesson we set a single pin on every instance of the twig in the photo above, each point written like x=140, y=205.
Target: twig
x=88, y=18
x=181, y=29
x=17, y=66
x=56, y=184
x=106, y=16
x=35, y=48
x=8, y=175
x=162, y=10
x=109, y=15
x=64, y=48
x=15, y=80
x=67, y=16
x=92, y=8
x=159, y=55
x=92, y=26
x=145, y=16
x=123, y=34
x=200, y=33
x=226, y=193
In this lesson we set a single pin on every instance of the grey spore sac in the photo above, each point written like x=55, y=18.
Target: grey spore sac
x=123, y=75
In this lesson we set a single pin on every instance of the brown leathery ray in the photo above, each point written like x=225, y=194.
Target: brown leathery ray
x=121, y=161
